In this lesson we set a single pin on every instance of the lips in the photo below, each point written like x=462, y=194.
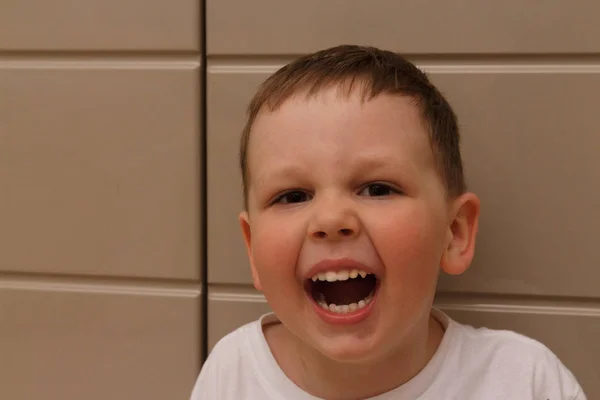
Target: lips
x=339, y=264
x=342, y=291
x=343, y=316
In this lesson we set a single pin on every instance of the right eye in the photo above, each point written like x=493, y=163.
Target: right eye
x=295, y=196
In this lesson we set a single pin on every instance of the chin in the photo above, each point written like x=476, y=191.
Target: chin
x=348, y=350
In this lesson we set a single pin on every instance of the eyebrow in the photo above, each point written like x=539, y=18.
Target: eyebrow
x=363, y=163
x=370, y=162
x=286, y=171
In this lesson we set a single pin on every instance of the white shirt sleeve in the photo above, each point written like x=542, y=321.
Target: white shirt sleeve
x=206, y=387
x=553, y=378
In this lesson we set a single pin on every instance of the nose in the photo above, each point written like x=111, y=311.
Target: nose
x=333, y=220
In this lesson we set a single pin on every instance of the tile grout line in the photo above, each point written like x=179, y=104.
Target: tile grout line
x=192, y=290
x=203, y=185
x=245, y=292
x=90, y=278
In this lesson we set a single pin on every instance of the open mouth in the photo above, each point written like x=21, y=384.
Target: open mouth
x=342, y=292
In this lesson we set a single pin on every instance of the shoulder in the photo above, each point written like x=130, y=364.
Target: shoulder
x=506, y=347
x=228, y=361
x=509, y=358
x=232, y=346
x=501, y=343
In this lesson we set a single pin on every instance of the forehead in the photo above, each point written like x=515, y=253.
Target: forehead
x=340, y=127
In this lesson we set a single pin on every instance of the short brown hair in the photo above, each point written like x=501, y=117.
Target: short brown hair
x=378, y=71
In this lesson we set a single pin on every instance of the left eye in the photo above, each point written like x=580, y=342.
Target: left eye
x=377, y=190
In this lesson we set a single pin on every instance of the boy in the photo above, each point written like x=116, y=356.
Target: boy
x=354, y=199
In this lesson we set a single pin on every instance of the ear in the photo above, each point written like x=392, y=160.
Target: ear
x=462, y=232
x=247, y=232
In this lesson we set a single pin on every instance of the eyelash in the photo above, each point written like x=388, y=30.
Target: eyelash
x=391, y=190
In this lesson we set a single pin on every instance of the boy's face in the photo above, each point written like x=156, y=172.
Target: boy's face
x=338, y=185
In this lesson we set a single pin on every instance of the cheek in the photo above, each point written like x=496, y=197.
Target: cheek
x=275, y=247
x=410, y=245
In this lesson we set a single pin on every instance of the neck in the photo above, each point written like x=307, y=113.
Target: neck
x=329, y=379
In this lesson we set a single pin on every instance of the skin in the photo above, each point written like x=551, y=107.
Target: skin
x=332, y=176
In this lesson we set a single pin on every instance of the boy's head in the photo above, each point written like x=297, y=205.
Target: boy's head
x=355, y=198
x=372, y=72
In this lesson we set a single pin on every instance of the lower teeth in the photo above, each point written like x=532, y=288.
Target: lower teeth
x=345, y=309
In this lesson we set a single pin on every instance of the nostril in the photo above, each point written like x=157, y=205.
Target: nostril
x=340, y=232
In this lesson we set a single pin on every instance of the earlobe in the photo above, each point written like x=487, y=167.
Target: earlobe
x=462, y=231
x=244, y=220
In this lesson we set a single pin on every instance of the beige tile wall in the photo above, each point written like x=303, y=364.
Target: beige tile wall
x=92, y=26
x=100, y=267
x=435, y=27
x=79, y=339
x=524, y=79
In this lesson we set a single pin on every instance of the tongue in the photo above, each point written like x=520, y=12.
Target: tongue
x=345, y=292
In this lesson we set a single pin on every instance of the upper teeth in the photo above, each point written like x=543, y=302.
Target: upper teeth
x=343, y=275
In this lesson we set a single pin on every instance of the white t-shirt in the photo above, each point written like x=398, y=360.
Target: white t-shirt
x=470, y=363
